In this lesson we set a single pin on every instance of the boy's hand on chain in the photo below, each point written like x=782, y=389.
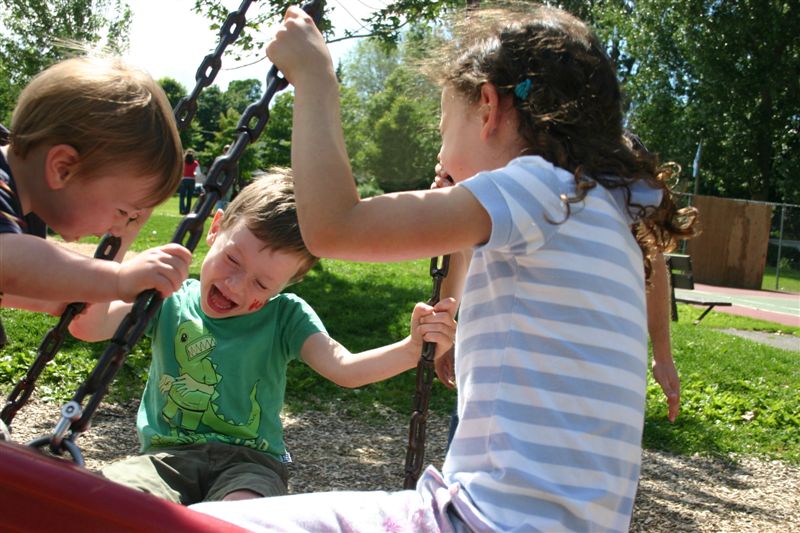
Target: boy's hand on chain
x=434, y=324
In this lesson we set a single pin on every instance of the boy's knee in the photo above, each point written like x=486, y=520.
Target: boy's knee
x=246, y=481
x=241, y=495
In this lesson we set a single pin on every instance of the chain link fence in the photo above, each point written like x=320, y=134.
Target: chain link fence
x=783, y=254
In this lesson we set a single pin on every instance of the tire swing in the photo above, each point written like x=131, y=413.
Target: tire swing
x=44, y=493
x=40, y=492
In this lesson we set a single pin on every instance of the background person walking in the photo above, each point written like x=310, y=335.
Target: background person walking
x=186, y=189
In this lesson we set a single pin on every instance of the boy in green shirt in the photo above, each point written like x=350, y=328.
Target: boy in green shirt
x=209, y=419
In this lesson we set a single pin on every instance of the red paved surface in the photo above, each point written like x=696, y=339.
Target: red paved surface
x=762, y=314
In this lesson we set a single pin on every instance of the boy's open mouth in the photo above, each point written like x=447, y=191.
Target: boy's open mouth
x=218, y=302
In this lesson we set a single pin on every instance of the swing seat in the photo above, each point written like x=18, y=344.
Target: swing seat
x=40, y=493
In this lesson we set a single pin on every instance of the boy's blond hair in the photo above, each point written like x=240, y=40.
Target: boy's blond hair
x=110, y=112
x=268, y=208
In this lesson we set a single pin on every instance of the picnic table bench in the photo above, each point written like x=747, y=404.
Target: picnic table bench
x=682, y=287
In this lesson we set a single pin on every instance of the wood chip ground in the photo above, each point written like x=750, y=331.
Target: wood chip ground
x=345, y=453
x=676, y=493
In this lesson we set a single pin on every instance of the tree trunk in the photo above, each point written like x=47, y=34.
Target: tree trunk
x=760, y=184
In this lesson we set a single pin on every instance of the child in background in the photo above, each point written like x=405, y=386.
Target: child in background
x=187, y=186
x=551, y=351
x=209, y=420
x=92, y=148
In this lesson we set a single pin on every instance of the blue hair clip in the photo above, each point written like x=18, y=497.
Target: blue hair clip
x=523, y=89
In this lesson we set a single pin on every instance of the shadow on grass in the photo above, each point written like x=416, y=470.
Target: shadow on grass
x=688, y=435
x=362, y=312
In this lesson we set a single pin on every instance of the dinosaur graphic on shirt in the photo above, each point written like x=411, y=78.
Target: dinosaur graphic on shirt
x=191, y=395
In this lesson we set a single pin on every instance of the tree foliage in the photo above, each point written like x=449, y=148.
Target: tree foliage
x=385, y=23
x=390, y=114
x=277, y=138
x=38, y=33
x=242, y=93
x=404, y=134
x=720, y=74
x=216, y=121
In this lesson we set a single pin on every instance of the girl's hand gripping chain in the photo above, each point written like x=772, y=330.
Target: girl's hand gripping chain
x=444, y=363
x=298, y=49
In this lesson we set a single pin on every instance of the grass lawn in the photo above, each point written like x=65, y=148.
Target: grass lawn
x=738, y=396
x=789, y=280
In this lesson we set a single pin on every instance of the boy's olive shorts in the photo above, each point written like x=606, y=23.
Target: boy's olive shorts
x=201, y=472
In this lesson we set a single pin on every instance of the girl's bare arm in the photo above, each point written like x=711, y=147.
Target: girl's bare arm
x=333, y=220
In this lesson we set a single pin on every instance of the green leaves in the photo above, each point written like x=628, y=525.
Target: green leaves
x=36, y=32
x=737, y=396
x=390, y=115
x=724, y=74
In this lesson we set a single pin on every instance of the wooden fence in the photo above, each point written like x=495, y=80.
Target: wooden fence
x=732, y=249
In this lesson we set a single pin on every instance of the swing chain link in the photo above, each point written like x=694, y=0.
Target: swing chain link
x=415, y=453
x=50, y=345
x=109, y=246
x=188, y=234
x=211, y=65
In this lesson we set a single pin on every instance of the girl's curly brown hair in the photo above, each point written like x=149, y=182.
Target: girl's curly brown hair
x=572, y=112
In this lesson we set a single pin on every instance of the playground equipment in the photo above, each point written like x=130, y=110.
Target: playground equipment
x=31, y=481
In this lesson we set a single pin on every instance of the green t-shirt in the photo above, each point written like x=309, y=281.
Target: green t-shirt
x=223, y=379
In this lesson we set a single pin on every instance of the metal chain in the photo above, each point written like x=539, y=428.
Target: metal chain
x=415, y=453
x=109, y=246
x=75, y=418
x=211, y=64
x=50, y=345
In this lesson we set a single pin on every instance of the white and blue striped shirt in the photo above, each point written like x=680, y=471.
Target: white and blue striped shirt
x=551, y=359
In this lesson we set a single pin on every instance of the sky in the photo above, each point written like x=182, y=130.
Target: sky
x=168, y=39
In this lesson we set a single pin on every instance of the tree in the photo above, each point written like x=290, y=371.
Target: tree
x=403, y=124
x=175, y=91
x=7, y=96
x=386, y=23
x=276, y=141
x=211, y=105
x=248, y=163
x=242, y=93
x=724, y=74
x=390, y=113
x=405, y=147
x=37, y=33
x=367, y=66
x=694, y=71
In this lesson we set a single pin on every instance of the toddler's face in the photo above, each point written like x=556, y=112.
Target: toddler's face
x=95, y=206
x=239, y=275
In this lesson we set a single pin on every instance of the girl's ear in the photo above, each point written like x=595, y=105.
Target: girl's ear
x=59, y=165
x=489, y=106
x=214, y=228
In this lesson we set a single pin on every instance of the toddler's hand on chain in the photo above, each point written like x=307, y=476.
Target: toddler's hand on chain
x=163, y=268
